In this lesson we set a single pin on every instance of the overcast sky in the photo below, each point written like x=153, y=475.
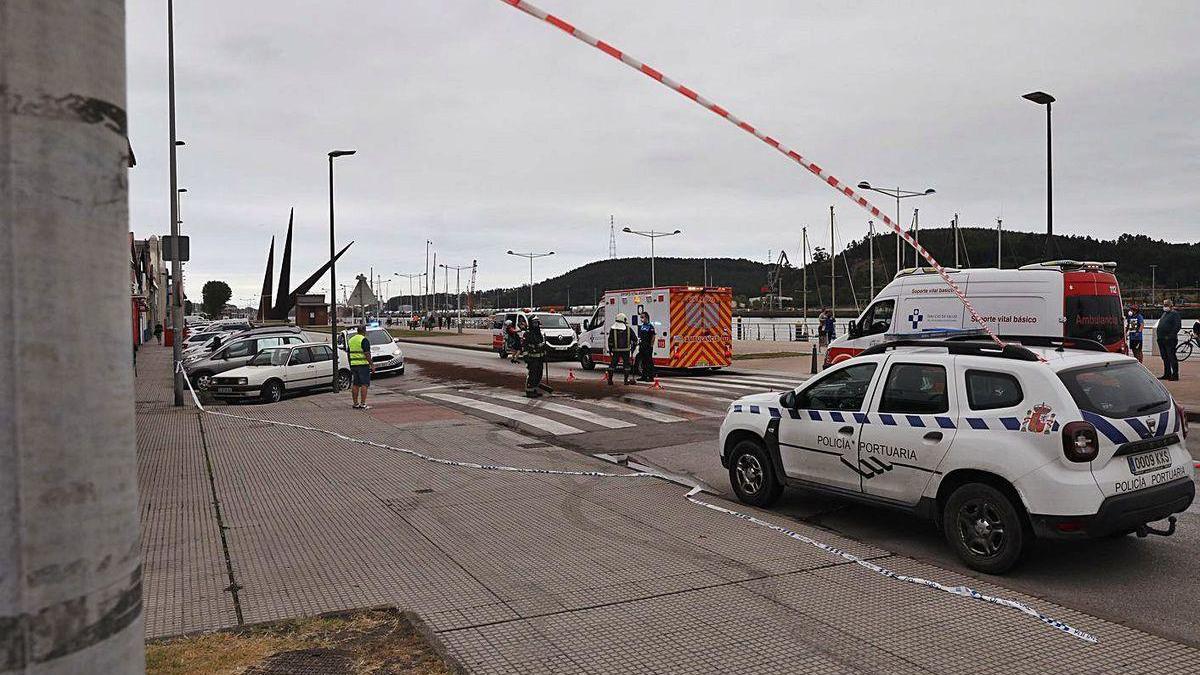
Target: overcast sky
x=483, y=129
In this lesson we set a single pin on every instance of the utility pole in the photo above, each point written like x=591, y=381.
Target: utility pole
x=70, y=567
x=176, y=267
x=804, y=271
x=871, y=253
x=426, y=294
x=999, y=243
x=954, y=228
x=916, y=237
x=832, y=269
x=612, y=238
x=1153, y=270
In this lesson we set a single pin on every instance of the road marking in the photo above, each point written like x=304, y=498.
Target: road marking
x=536, y=421
x=433, y=388
x=585, y=415
x=654, y=400
x=634, y=410
x=725, y=394
x=784, y=384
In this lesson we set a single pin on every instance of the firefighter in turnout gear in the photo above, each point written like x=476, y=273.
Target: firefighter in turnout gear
x=534, y=352
x=621, y=342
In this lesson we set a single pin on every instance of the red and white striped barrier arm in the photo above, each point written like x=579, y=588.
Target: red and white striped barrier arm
x=744, y=126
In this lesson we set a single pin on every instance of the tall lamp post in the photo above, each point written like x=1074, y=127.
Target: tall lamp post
x=1042, y=98
x=531, y=256
x=896, y=194
x=176, y=276
x=333, y=269
x=412, y=298
x=458, y=288
x=651, y=235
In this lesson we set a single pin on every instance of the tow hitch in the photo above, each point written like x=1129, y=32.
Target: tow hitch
x=1145, y=529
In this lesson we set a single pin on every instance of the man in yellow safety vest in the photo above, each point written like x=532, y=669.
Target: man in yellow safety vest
x=360, y=367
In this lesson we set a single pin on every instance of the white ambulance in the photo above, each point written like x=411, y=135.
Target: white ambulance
x=1060, y=297
x=693, y=325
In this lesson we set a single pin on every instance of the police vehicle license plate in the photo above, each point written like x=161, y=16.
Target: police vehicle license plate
x=229, y=390
x=1149, y=461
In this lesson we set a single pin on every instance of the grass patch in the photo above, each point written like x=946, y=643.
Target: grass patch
x=767, y=355
x=366, y=641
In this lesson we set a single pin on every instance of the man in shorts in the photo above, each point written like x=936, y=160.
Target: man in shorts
x=360, y=367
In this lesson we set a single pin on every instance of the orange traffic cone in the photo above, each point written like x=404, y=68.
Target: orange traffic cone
x=571, y=375
x=656, y=384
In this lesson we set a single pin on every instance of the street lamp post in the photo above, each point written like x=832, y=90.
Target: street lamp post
x=176, y=276
x=1042, y=98
x=411, y=298
x=896, y=194
x=531, y=256
x=651, y=235
x=457, y=288
x=333, y=270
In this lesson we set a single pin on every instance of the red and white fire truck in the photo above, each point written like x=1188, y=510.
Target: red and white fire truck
x=693, y=325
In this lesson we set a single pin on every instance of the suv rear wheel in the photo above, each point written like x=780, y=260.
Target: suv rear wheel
x=985, y=528
x=585, y=360
x=752, y=475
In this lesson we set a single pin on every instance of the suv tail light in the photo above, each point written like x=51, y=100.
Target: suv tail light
x=1080, y=443
x=1181, y=414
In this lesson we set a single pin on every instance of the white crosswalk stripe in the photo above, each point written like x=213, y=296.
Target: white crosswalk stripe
x=671, y=405
x=551, y=406
x=719, y=393
x=536, y=421
x=760, y=381
x=634, y=410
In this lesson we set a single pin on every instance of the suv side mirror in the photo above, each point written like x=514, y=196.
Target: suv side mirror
x=853, y=329
x=788, y=400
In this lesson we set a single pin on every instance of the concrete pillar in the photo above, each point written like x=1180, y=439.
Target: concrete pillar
x=70, y=564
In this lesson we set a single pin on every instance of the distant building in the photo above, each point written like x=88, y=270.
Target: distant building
x=148, y=288
x=311, y=310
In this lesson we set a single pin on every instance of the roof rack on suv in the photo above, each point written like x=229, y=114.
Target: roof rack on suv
x=1056, y=341
x=1070, y=264
x=953, y=346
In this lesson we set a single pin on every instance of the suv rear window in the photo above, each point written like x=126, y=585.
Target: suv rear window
x=987, y=390
x=1095, y=317
x=1116, y=390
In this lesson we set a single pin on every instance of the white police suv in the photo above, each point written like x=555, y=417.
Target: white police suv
x=1052, y=438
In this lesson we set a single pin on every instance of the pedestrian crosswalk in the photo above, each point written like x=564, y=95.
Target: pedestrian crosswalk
x=680, y=399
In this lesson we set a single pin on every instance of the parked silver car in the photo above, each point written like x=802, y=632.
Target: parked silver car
x=236, y=351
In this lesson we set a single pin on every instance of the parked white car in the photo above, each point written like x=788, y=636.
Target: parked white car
x=275, y=371
x=996, y=446
x=385, y=350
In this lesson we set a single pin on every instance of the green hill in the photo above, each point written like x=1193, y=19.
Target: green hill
x=1178, y=268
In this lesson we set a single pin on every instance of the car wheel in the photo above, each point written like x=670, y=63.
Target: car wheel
x=585, y=360
x=752, y=475
x=272, y=392
x=202, y=380
x=985, y=528
x=343, y=380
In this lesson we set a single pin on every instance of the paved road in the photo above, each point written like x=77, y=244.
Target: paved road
x=1143, y=583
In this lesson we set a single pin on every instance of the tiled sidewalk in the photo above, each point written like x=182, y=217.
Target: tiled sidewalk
x=523, y=573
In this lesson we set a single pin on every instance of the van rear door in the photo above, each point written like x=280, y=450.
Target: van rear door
x=1092, y=305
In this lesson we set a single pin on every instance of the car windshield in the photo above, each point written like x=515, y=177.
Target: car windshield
x=276, y=356
x=378, y=337
x=1116, y=390
x=553, y=320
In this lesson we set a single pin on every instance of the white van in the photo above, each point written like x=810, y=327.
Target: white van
x=562, y=343
x=1061, y=297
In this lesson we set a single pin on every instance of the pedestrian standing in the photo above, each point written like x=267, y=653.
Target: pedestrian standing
x=1167, y=333
x=1135, y=323
x=534, y=352
x=831, y=327
x=621, y=342
x=361, y=367
x=645, y=345
x=158, y=331
x=822, y=322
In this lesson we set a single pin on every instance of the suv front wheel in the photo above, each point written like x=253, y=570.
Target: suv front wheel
x=985, y=528
x=752, y=475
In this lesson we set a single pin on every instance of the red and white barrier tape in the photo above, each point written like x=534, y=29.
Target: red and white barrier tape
x=824, y=175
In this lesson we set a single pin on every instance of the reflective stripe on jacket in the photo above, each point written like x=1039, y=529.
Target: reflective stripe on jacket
x=357, y=357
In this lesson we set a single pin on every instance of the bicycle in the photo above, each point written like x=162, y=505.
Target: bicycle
x=1185, y=348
